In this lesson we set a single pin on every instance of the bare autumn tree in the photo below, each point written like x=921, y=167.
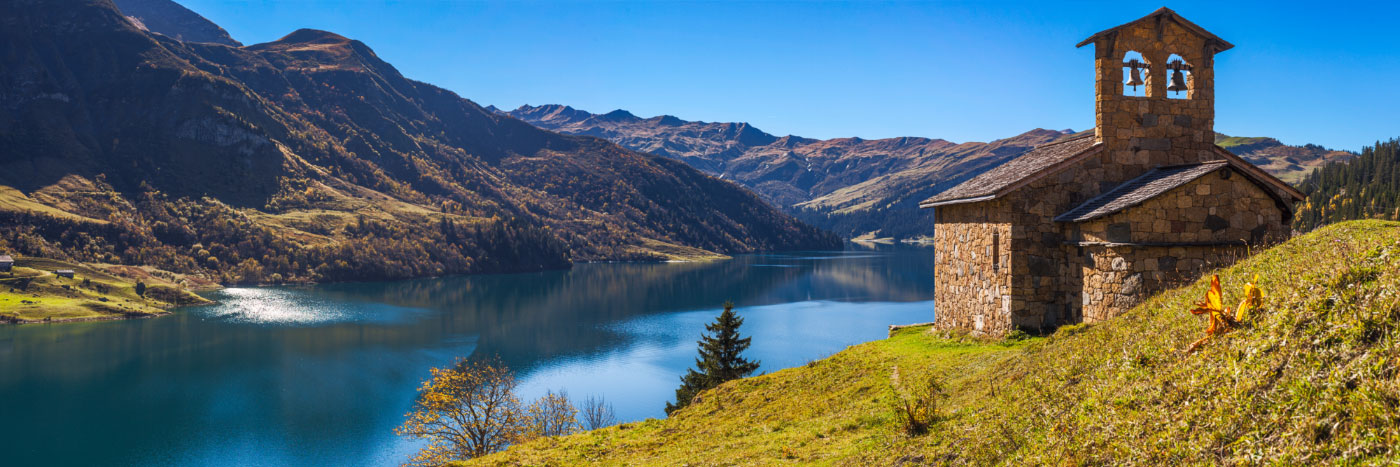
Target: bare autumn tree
x=552, y=415
x=598, y=413
x=464, y=411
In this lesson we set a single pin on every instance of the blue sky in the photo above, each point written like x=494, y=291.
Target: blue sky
x=963, y=71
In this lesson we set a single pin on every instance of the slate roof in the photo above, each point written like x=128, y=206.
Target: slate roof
x=993, y=183
x=1138, y=190
x=1164, y=14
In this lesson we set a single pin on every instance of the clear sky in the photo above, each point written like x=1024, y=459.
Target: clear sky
x=1304, y=72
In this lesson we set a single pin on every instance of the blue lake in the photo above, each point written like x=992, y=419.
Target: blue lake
x=321, y=375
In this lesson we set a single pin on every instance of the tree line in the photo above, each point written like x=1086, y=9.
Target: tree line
x=1366, y=187
x=208, y=238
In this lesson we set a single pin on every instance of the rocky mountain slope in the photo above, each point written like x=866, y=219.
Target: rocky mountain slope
x=852, y=186
x=175, y=21
x=311, y=158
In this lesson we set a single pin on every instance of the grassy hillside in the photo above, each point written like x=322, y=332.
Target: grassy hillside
x=31, y=292
x=1288, y=163
x=1312, y=380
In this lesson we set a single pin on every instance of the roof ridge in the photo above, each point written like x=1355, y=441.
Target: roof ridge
x=1102, y=205
x=1164, y=12
x=1066, y=216
x=1193, y=164
x=987, y=184
x=1063, y=141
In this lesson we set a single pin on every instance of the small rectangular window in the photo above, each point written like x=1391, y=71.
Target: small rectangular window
x=996, y=250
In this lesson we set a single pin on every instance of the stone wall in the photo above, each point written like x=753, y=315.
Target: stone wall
x=1223, y=206
x=1156, y=129
x=1216, y=208
x=1045, y=290
x=972, y=273
x=1115, y=279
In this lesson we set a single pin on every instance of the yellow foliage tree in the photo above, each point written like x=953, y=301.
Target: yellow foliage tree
x=465, y=411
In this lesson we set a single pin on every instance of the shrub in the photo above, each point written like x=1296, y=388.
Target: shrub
x=598, y=413
x=551, y=415
x=916, y=404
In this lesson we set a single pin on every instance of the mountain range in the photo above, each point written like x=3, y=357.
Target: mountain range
x=852, y=186
x=310, y=158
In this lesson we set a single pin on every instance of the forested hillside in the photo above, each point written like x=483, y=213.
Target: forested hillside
x=309, y=158
x=1366, y=187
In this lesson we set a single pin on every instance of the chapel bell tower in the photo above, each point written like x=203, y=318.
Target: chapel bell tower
x=1155, y=90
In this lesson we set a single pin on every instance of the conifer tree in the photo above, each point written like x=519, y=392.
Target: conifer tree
x=719, y=361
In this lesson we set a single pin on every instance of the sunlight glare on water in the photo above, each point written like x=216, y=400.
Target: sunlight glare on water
x=296, y=307
x=321, y=374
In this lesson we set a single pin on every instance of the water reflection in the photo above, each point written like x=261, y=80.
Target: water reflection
x=320, y=375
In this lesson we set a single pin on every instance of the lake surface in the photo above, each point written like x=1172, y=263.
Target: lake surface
x=321, y=375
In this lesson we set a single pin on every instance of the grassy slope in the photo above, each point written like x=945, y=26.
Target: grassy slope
x=1312, y=380
x=32, y=293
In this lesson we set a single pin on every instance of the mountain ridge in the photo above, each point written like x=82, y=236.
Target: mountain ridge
x=312, y=158
x=174, y=20
x=847, y=185
x=853, y=186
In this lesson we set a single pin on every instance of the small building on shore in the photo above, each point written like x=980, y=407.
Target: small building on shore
x=6, y=263
x=1081, y=230
x=68, y=273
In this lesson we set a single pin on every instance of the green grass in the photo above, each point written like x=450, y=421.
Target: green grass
x=1314, y=379
x=15, y=200
x=31, y=292
x=1233, y=141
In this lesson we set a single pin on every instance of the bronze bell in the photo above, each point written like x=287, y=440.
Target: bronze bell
x=1134, y=76
x=1178, y=81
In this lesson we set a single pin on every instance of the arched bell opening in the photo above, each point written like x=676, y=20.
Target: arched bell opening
x=1135, y=75
x=1179, y=79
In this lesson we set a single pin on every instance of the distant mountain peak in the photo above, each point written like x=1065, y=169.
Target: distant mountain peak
x=558, y=114
x=668, y=120
x=312, y=36
x=618, y=115
x=169, y=19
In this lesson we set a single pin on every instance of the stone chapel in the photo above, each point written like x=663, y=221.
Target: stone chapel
x=1082, y=229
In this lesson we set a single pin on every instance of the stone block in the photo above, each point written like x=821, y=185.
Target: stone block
x=1154, y=144
x=1121, y=232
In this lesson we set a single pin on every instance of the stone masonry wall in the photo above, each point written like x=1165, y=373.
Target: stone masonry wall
x=1213, y=208
x=1044, y=289
x=973, y=288
x=1118, y=278
x=1156, y=129
x=1223, y=206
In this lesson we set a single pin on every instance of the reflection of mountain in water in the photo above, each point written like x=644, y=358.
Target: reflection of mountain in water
x=528, y=318
x=321, y=375
x=524, y=318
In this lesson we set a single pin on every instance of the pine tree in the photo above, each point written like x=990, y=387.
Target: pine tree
x=719, y=359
